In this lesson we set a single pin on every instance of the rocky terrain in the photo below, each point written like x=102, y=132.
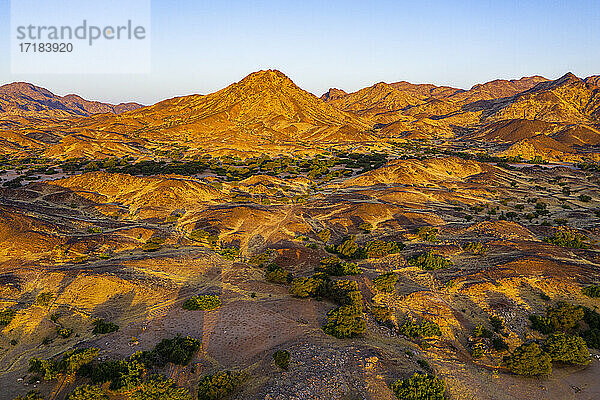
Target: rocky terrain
x=403, y=236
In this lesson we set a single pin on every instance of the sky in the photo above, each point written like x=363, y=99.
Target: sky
x=202, y=46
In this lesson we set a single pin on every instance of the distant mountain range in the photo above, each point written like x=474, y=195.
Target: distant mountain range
x=267, y=113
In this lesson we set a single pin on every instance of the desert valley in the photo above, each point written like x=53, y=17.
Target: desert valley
x=404, y=241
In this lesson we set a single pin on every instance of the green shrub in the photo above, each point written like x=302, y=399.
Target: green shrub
x=324, y=235
x=478, y=350
x=204, y=237
x=566, y=237
x=6, y=316
x=44, y=299
x=385, y=282
x=276, y=274
x=65, y=332
x=475, y=247
x=205, y=302
x=102, y=327
x=481, y=331
x=567, y=349
x=123, y=375
x=419, y=387
x=382, y=314
x=425, y=329
x=219, y=385
x=429, y=261
x=584, y=197
x=336, y=267
x=497, y=323
x=344, y=322
x=177, y=351
x=562, y=317
x=69, y=364
x=31, y=395
x=499, y=344
x=348, y=248
x=307, y=287
x=230, y=253
x=380, y=248
x=529, y=360
x=151, y=247
x=427, y=233
x=591, y=291
x=159, y=388
x=88, y=392
x=282, y=359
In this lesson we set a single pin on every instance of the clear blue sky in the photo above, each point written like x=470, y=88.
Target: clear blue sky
x=202, y=46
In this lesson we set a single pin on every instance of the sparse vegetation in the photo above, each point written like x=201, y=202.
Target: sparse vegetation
x=529, y=360
x=567, y=349
x=205, y=302
x=419, y=387
x=567, y=237
x=103, y=327
x=6, y=316
x=277, y=274
x=282, y=359
x=429, y=261
x=591, y=291
x=44, y=299
x=69, y=364
x=385, y=282
x=219, y=385
x=427, y=233
x=88, y=392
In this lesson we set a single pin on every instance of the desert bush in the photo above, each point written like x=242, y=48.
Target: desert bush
x=584, y=198
x=429, y=261
x=529, y=359
x=425, y=329
x=497, y=323
x=481, y=331
x=159, y=388
x=427, y=233
x=102, y=327
x=336, y=267
x=562, y=317
x=204, y=237
x=380, y=248
x=344, y=322
x=567, y=349
x=478, y=350
x=31, y=395
x=230, y=253
x=69, y=364
x=44, y=299
x=592, y=335
x=65, y=332
x=419, y=387
x=88, y=392
x=385, y=282
x=282, y=359
x=324, y=235
x=6, y=316
x=475, y=247
x=123, y=375
x=276, y=274
x=567, y=237
x=307, y=287
x=205, y=302
x=219, y=385
x=178, y=350
x=499, y=344
x=365, y=227
x=591, y=291
x=348, y=248
x=382, y=314
x=151, y=247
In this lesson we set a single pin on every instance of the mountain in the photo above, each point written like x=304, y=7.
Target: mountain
x=264, y=111
x=22, y=99
x=568, y=99
x=496, y=89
